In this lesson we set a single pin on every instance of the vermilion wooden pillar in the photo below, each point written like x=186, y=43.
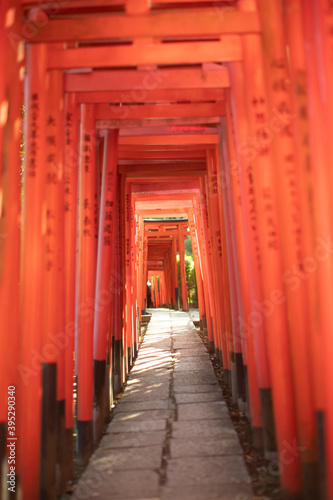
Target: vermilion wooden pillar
x=86, y=283
x=232, y=195
x=10, y=134
x=197, y=268
x=238, y=355
x=201, y=246
x=53, y=386
x=175, y=273
x=319, y=98
x=242, y=172
x=71, y=164
x=306, y=180
x=33, y=231
x=182, y=267
x=292, y=230
x=128, y=276
x=106, y=249
x=216, y=238
x=266, y=175
x=116, y=285
x=206, y=244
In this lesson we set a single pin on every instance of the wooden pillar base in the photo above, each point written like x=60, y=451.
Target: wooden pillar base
x=135, y=348
x=217, y=354
x=61, y=448
x=320, y=420
x=129, y=359
x=48, y=432
x=108, y=400
x=3, y=456
x=211, y=347
x=99, y=399
x=241, y=390
x=267, y=417
x=258, y=438
x=310, y=480
x=247, y=393
x=85, y=442
x=234, y=386
x=227, y=377
x=117, y=366
x=69, y=451
x=177, y=299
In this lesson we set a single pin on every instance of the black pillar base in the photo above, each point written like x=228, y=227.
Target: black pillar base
x=85, y=442
x=267, y=416
x=48, y=490
x=258, y=438
x=117, y=366
x=99, y=398
x=217, y=355
x=320, y=419
x=135, y=351
x=211, y=347
x=226, y=374
x=240, y=376
x=310, y=480
x=69, y=451
x=129, y=359
x=234, y=387
x=61, y=447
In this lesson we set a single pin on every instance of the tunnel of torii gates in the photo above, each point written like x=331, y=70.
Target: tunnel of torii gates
x=220, y=113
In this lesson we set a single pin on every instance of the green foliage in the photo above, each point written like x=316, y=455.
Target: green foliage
x=192, y=293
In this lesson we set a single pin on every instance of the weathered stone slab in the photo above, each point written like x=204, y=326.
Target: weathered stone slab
x=138, y=426
x=134, y=416
x=199, y=397
x=120, y=485
x=202, y=411
x=158, y=404
x=209, y=492
x=196, y=388
x=205, y=447
x=197, y=428
x=211, y=470
x=133, y=439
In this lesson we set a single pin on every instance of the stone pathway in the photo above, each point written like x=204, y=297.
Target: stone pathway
x=171, y=437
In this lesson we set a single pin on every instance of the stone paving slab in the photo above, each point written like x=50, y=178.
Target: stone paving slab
x=118, y=485
x=211, y=492
x=138, y=426
x=205, y=376
x=205, y=447
x=161, y=404
x=172, y=397
x=210, y=470
x=197, y=388
x=200, y=397
x=145, y=457
x=132, y=439
x=202, y=411
x=197, y=428
x=140, y=415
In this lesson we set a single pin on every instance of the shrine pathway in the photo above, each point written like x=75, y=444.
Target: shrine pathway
x=171, y=437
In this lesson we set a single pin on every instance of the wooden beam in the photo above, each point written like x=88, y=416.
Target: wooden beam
x=130, y=112
x=206, y=22
x=172, y=139
x=151, y=96
x=140, y=83
x=228, y=49
x=162, y=122
x=161, y=155
x=168, y=167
